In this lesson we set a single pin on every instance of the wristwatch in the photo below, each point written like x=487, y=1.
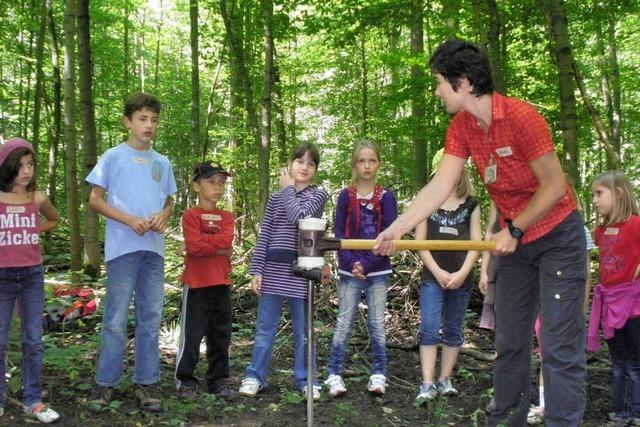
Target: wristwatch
x=515, y=232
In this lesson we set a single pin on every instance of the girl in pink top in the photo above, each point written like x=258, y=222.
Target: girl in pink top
x=618, y=237
x=21, y=273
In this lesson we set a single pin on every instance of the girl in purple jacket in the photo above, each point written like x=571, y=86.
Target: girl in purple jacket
x=364, y=209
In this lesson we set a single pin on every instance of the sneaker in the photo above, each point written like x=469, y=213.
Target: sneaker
x=148, y=397
x=42, y=412
x=187, y=393
x=316, y=392
x=100, y=398
x=445, y=387
x=224, y=392
x=426, y=392
x=250, y=387
x=1, y=411
x=377, y=384
x=336, y=385
x=535, y=416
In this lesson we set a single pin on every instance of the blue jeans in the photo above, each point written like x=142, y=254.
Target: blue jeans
x=446, y=308
x=26, y=286
x=349, y=294
x=624, y=349
x=140, y=273
x=269, y=309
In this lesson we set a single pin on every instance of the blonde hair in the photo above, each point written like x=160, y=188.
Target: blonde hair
x=465, y=188
x=624, y=199
x=365, y=143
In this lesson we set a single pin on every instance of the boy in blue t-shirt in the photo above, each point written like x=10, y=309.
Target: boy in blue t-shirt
x=138, y=184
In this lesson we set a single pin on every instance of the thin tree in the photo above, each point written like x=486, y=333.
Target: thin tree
x=561, y=51
x=418, y=92
x=71, y=169
x=39, y=89
x=85, y=78
x=195, y=76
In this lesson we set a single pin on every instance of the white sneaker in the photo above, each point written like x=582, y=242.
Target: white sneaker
x=445, y=387
x=336, y=385
x=250, y=387
x=42, y=412
x=426, y=392
x=377, y=384
x=316, y=391
x=535, y=415
x=1, y=411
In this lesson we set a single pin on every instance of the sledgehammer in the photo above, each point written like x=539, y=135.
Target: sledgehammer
x=312, y=243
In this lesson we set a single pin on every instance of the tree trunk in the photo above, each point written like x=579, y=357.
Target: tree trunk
x=281, y=118
x=195, y=77
x=56, y=132
x=614, y=70
x=126, y=57
x=245, y=79
x=494, y=47
x=90, y=143
x=613, y=159
x=210, y=107
x=561, y=48
x=39, y=89
x=421, y=166
x=264, y=149
x=71, y=171
x=364, y=94
x=156, y=69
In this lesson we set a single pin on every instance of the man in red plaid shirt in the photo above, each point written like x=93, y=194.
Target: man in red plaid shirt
x=542, y=240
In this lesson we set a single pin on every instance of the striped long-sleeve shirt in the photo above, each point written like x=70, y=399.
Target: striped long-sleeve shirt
x=278, y=241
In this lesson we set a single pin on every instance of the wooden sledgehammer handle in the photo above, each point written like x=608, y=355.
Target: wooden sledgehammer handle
x=423, y=245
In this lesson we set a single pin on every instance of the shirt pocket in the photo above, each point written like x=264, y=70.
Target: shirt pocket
x=561, y=297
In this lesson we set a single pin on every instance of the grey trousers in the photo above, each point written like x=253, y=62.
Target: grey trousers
x=548, y=275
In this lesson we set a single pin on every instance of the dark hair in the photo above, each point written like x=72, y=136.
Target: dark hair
x=304, y=148
x=11, y=168
x=456, y=59
x=138, y=101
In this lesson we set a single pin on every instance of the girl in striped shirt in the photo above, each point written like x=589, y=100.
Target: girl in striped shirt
x=271, y=268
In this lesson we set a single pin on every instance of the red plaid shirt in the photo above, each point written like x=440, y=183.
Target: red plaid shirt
x=518, y=134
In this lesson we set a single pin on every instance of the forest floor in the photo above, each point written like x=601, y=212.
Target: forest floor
x=71, y=355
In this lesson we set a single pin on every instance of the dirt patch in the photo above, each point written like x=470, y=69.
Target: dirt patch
x=281, y=404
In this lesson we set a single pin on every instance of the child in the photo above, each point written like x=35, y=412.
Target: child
x=364, y=209
x=21, y=273
x=206, y=298
x=446, y=286
x=616, y=300
x=271, y=268
x=138, y=183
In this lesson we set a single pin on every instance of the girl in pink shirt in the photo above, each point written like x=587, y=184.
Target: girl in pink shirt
x=618, y=237
x=21, y=273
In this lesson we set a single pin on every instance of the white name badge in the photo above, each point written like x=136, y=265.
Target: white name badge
x=611, y=231
x=448, y=230
x=504, y=151
x=140, y=160
x=490, y=174
x=211, y=217
x=16, y=209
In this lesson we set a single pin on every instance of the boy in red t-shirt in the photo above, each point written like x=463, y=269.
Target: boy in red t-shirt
x=206, y=298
